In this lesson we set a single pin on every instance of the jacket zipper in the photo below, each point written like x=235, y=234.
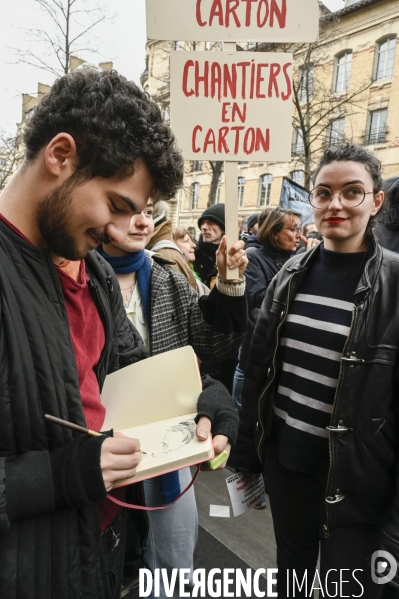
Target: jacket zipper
x=273, y=364
x=326, y=530
x=107, y=327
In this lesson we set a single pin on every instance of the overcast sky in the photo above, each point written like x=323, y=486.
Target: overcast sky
x=123, y=41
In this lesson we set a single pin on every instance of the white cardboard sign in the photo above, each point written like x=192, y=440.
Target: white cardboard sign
x=244, y=490
x=233, y=20
x=232, y=105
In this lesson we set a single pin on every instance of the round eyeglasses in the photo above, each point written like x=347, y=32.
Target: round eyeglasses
x=294, y=230
x=349, y=196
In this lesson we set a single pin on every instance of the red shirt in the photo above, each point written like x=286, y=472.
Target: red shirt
x=88, y=338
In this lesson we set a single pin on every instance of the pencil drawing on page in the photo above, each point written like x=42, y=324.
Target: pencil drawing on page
x=172, y=439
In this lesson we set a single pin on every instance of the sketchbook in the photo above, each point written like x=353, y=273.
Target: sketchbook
x=155, y=401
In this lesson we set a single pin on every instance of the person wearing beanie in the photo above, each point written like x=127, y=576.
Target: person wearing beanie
x=212, y=226
x=251, y=228
x=216, y=215
x=252, y=223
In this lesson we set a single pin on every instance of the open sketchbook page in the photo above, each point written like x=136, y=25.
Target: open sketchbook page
x=157, y=388
x=168, y=445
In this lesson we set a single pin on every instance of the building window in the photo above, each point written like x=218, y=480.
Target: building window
x=306, y=83
x=377, y=127
x=343, y=68
x=218, y=190
x=241, y=186
x=265, y=187
x=192, y=232
x=298, y=146
x=335, y=132
x=194, y=196
x=166, y=115
x=298, y=177
x=196, y=166
x=385, y=59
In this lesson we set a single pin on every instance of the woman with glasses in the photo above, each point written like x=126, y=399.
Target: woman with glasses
x=320, y=403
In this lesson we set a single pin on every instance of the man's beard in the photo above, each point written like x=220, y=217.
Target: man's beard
x=55, y=222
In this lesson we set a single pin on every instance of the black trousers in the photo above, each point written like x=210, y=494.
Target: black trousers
x=297, y=503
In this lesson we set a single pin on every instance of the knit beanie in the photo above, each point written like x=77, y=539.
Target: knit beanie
x=252, y=220
x=215, y=214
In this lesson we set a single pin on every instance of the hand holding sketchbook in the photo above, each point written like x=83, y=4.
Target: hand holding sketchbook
x=155, y=401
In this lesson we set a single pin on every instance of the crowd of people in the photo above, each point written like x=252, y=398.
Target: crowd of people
x=298, y=355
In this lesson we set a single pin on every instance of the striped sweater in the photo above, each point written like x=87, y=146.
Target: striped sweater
x=311, y=344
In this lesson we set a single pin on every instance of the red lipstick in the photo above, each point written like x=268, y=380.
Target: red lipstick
x=335, y=220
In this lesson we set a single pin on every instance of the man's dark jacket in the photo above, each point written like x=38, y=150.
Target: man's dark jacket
x=48, y=552
x=205, y=261
x=252, y=244
x=363, y=483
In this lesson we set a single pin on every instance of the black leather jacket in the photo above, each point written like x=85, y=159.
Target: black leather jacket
x=363, y=483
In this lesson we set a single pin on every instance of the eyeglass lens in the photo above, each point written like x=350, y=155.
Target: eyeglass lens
x=350, y=195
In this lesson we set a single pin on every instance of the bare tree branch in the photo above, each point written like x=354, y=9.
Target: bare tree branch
x=67, y=22
x=9, y=156
x=82, y=33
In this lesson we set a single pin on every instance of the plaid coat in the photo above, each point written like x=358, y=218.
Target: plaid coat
x=214, y=325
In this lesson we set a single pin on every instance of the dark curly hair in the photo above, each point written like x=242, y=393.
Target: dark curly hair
x=348, y=152
x=114, y=125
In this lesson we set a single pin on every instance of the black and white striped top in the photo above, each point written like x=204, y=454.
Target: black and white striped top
x=312, y=340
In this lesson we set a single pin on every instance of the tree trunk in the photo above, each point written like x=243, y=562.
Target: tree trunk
x=308, y=169
x=308, y=149
x=217, y=169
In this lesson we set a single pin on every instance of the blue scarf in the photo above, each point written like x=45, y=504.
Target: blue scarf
x=135, y=262
x=138, y=262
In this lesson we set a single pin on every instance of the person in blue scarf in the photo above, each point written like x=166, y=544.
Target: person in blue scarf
x=168, y=314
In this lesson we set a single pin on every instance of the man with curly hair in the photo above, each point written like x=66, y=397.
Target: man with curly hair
x=96, y=150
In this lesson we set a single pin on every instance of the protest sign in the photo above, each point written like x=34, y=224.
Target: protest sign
x=245, y=490
x=232, y=106
x=233, y=20
x=229, y=106
x=295, y=197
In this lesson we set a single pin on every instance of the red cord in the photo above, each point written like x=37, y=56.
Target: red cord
x=162, y=507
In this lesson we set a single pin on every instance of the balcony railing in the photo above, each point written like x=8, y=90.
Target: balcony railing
x=196, y=166
x=376, y=135
x=297, y=149
x=333, y=140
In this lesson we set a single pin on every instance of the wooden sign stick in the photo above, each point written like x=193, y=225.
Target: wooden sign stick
x=231, y=189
